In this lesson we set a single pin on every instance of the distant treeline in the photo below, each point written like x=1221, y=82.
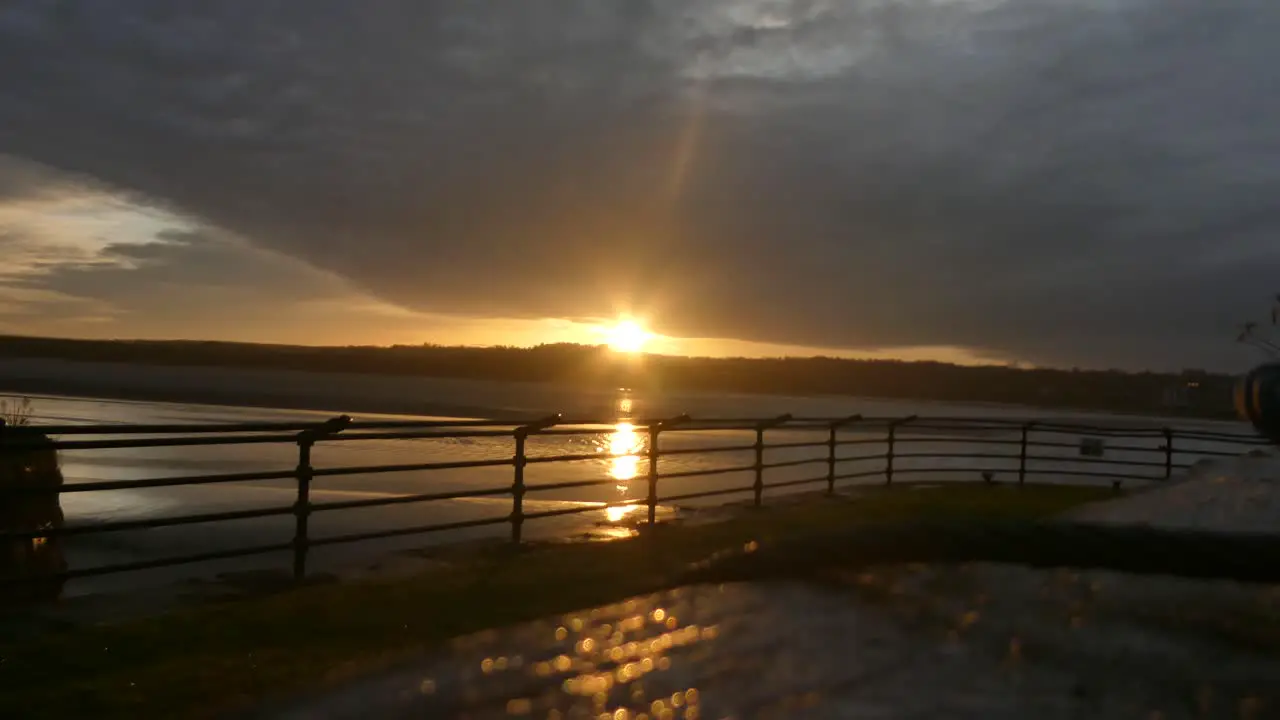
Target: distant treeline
x=1192, y=392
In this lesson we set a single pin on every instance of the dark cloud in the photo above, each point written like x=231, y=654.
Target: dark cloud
x=1067, y=182
x=193, y=284
x=177, y=270
x=23, y=180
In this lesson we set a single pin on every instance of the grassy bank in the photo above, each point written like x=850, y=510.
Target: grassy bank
x=201, y=661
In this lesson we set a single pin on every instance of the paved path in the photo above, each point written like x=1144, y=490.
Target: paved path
x=984, y=642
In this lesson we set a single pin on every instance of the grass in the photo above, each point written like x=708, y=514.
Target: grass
x=16, y=412
x=202, y=661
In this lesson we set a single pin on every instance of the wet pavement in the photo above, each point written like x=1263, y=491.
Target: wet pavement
x=902, y=642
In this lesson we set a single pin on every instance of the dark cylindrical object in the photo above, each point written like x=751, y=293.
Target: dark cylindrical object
x=302, y=507
x=757, y=488
x=888, y=455
x=1022, y=455
x=1257, y=399
x=652, y=501
x=519, y=460
x=831, y=461
x=30, y=483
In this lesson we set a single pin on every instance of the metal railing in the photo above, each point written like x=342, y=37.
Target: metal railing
x=1152, y=454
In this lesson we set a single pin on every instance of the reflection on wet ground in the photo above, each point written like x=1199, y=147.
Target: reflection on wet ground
x=906, y=642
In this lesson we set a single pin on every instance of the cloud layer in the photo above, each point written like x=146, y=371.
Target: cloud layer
x=1064, y=182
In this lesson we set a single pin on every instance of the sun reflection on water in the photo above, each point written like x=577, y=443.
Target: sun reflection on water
x=624, y=446
x=619, y=512
x=624, y=443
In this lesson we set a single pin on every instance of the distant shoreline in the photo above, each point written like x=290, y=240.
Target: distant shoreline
x=568, y=373
x=354, y=393
x=317, y=403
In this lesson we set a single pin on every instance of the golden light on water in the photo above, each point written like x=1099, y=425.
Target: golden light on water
x=618, y=512
x=623, y=444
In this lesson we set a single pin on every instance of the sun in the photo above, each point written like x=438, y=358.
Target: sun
x=627, y=336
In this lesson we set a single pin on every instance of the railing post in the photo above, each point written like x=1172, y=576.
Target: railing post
x=652, y=500
x=831, y=451
x=889, y=442
x=1022, y=454
x=519, y=461
x=655, y=428
x=304, y=473
x=1168, y=453
x=831, y=460
x=302, y=506
x=757, y=488
x=888, y=455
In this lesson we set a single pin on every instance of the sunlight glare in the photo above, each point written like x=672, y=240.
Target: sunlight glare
x=623, y=443
x=624, y=465
x=618, y=512
x=627, y=336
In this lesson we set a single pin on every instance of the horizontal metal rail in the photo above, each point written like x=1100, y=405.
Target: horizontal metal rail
x=793, y=463
x=703, y=450
x=794, y=445
x=402, y=532
x=154, y=442
x=1095, y=461
x=278, y=427
x=912, y=446
x=176, y=481
x=1076, y=446
x=956, y=440
x=408, y=499
x=577, y=457
x=547, y=487
x=706, y=473
x=1208, y=453
x=864, y=441
x=862, y=458
x=144, y=524
x=411, y=467
x=859, y=475
x=958, y=456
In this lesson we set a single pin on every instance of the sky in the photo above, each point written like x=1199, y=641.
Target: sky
x=1054, y=182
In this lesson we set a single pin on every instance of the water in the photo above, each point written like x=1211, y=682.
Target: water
x=617, y=501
